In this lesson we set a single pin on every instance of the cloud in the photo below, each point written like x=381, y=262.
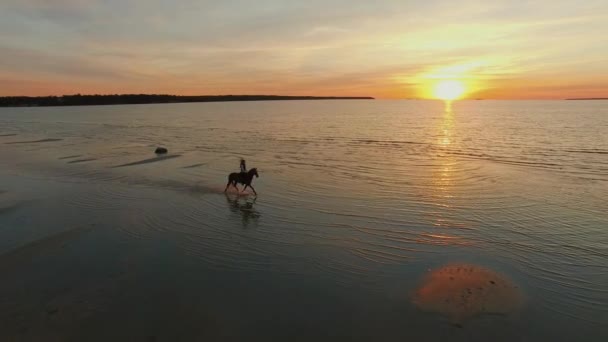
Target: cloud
x=339, y=46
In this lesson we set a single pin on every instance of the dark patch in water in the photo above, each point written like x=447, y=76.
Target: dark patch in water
x=11, y=207
x=81, y=160
x=148, y=161
x=30, y=250
x=197, y=189
x=70, y=157
x=33, y=141
x=8, y=135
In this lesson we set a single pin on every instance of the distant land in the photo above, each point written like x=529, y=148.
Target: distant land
x=588, y=98
x=95, y=100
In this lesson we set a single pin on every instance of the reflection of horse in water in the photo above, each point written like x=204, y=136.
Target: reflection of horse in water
x=244, y=208
x=244, y=178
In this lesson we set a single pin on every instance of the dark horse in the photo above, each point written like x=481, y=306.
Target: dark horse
x=242, y=178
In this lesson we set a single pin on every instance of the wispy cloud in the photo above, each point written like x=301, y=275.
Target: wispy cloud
x=342, y=47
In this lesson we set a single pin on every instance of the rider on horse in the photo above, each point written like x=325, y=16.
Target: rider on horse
x=243, y=167
x=244, y=177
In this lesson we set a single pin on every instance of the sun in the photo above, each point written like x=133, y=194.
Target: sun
x=449, y=90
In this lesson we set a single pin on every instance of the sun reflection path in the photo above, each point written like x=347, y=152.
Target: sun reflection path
x=447, y=125
x=443, y=188
x=443, y=176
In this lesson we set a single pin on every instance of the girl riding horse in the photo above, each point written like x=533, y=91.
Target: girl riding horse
x=244, y=177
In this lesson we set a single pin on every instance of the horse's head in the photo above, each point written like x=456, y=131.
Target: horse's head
x=254, y=172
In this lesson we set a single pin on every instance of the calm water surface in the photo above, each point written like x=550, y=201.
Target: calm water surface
x=100, y=240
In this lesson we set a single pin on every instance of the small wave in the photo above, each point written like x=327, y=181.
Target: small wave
x=193, y=166
x=77, y=161
x=593, y=151
x=502, y=160
x=70, y=157
x=34, y=141
x=387, y=142
x=150, y=160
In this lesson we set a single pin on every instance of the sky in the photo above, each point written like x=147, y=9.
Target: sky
x=502, y=49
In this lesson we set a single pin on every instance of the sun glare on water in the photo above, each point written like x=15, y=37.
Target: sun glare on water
x=449, y=90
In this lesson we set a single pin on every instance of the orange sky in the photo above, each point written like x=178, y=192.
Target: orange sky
x=386, y=49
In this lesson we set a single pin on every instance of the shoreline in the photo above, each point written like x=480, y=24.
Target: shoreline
x=587, y=99
x=130, y=99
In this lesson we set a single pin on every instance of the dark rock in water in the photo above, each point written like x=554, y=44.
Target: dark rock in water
x=161, y=150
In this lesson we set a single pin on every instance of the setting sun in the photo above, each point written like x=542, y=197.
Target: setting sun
x=449, y=90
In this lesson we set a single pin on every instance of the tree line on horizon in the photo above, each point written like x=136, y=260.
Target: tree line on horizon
x=92, y=100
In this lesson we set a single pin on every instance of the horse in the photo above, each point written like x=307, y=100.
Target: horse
x=242, y=178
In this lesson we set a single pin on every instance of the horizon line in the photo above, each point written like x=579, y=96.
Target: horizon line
x=346, y=97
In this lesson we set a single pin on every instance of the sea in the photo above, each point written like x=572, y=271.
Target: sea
x=103, y=240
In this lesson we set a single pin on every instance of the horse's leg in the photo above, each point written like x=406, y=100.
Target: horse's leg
x=255, y=193
x=230, y=181
x=236, y=187
x=227, y=185
x=245, y=187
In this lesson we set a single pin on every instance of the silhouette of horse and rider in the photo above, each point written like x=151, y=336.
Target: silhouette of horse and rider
x=244, y=177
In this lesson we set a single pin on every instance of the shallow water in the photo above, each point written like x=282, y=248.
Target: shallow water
x=101, y=240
